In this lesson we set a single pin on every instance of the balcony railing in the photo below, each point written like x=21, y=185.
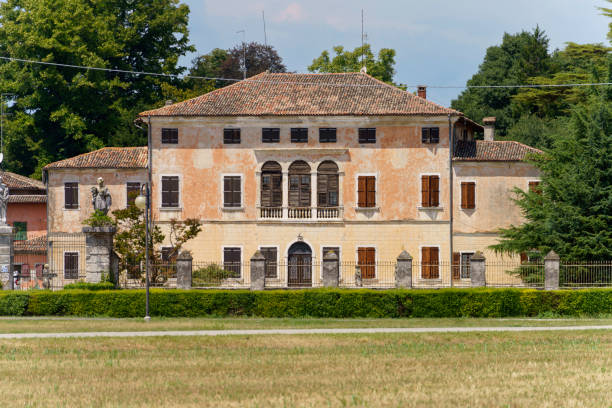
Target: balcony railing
x=301, y=213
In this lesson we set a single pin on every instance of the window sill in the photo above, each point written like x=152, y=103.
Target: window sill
x=430, y=208
x=232, y=209
x=72, y=209
x=367, y=209
x=170, y=209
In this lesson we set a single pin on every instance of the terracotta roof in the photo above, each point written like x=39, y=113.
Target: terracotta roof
x=106, y=158
x=34, y=245
x=497, y=150
x=27, y=198
x=342, y=94
x=16, y=181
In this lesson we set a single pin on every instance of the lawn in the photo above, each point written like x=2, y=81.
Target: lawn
x=545, y=369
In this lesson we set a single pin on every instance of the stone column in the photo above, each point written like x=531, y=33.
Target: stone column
x=258, y=271
x=6, y=257
x=551, y=271
x=358, y=280
x=403, y=271
x=184, y=264
x=478, y=270
x=98, y=252
x=331, y=269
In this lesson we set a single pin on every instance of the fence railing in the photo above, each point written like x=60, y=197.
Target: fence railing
x=515, y=274
x=584, y=275
x=220, y=274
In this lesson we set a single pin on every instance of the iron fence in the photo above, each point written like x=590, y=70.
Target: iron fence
x=220, y=274
x=379, y=274
x=583, y=275
x=514, y=274
x=67, y=259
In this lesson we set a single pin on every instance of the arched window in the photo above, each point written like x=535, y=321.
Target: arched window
x=299, y=184
x=271, y=185
x=327, y=184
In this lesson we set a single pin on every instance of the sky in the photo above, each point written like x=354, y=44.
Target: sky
x=437, y=42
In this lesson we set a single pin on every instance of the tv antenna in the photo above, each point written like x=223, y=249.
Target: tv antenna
x=2, y=95
x=243, y=65
x=263, y=17
x=364, y=37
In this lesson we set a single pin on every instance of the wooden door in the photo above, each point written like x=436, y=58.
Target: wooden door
x=300, y=270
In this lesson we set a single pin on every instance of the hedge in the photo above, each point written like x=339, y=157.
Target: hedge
x=313, y=303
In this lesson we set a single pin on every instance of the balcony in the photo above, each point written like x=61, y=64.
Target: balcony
x=301, y=213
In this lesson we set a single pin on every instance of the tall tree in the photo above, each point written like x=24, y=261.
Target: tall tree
x=351, y=61
x=60, y=111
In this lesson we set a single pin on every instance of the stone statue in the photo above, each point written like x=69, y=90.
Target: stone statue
x=4, y=195
x=100, y=197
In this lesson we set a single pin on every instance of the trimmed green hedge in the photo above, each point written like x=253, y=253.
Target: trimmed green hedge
x=313, y=303
x=91, y=286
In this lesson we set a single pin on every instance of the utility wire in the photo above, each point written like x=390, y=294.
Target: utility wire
x=179, y=76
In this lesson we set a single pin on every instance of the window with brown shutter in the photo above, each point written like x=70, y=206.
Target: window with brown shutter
x=170, y=191
x=232, y=258
x=169, y=136
x=327, y=184
x=430, y=135
x=299, y=184
x=534, y=187
x=132, y=191
x=327, y=135
x=271, y=185
x=71, y=265
x=232, y=191
x=270, y=135
x=468, y=195
x=299, y=135
x=366, y=191
x=367, y=135
x=430, y=263
x=271, y=264
x=71, y=195
x=456, y=265
x=430, y=191
x=366, y=260
x=231, y=136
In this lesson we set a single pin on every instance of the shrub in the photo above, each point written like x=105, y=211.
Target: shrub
x=104, y=285
x=13, y=303
x=212, y=275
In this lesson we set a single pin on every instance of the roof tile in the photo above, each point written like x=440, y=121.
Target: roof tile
x=496, y=150
x=106, y=158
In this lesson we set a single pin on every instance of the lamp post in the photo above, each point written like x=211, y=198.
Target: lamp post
x=142, y=202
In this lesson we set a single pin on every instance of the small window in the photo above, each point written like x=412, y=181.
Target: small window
x=299, y=135
x=430, y=135
x=534, y=187
x=132, y=191
x=271, y=265
x=270, y=135
x=167, y=254
x=231, y=136
x=430, y=191
x=327, y=135
x=366, y=192
x=170, y=191
x=231, y=191
x=466, y=258
x=367, y=135
x=232, y=258
x=71, y=265
x=366, y=259
x=468, y=195
x=430, y=263
x=71, y=196
x=21, y=230
x=169, y=136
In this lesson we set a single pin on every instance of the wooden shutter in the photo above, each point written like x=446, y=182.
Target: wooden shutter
x=524, y=257
x=170, y=191
x=434, y=135
x=425, y=135
x=534, y=187
x=434, y=191
x=231, y=261
x=425, y=196
x=71, y=195
x=425, y=263
x=271, y=264
x=169, y=136
x=231, y=191
x=366, y=259
x=456, y=265
x=361, y=191
x=370, y=191
x=71, y=265
x=322, y=190
x=434, y=253
x=305, y=194
x=468, y=195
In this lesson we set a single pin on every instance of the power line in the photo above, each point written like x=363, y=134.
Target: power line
x=179, y=76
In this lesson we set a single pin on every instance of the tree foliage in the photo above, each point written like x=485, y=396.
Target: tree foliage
x=60, y=112
x=381, y=67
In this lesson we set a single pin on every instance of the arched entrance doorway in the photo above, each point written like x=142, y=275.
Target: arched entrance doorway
x=300, y=265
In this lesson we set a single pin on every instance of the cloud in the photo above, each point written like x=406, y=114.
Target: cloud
x=292, y=13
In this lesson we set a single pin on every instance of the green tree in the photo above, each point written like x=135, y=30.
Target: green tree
x=60, y=112
x=351, y=61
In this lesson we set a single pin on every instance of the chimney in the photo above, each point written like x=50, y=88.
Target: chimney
x=422, y=91
x=169, y=102
x=489, y=128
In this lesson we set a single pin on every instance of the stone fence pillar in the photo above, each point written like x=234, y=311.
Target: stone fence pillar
x=358, y=280
x=184, y=264
x=331, y=269
x=6, y=257
x=258, y=271
x=98, y=252
x=478, y=270
x=551, y=271
x=403, y=271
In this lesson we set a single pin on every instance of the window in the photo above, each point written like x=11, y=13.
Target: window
x=430, y=263
x=231, y=136
x=231, y=191
x=299, y=135
x=271, y=264
x=366, y=191
x=166, y=254
x=366, y=260
x=430, y=135
x=71, y=195
x=327, y=135
x=21, y=230
x=170, y=191
x=367, y=135
x=169, y=136
x=299, y=184
x=534, y=187
x=468, y=195
x=71, y=265
x=232, y=258
x=132, y=191
x=270, y=135
x=430, y=191
x=271, y=185
x=461, y=265
x=327, y=184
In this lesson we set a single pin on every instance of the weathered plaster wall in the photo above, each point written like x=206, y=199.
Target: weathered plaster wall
x=35, y=214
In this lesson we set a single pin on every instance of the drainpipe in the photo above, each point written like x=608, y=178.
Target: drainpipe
x=450, y=183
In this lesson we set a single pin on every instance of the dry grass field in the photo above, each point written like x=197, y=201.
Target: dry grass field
x=543, y=369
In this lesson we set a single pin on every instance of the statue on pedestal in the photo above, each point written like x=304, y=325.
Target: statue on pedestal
x=4, y=195
x=100, y=197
